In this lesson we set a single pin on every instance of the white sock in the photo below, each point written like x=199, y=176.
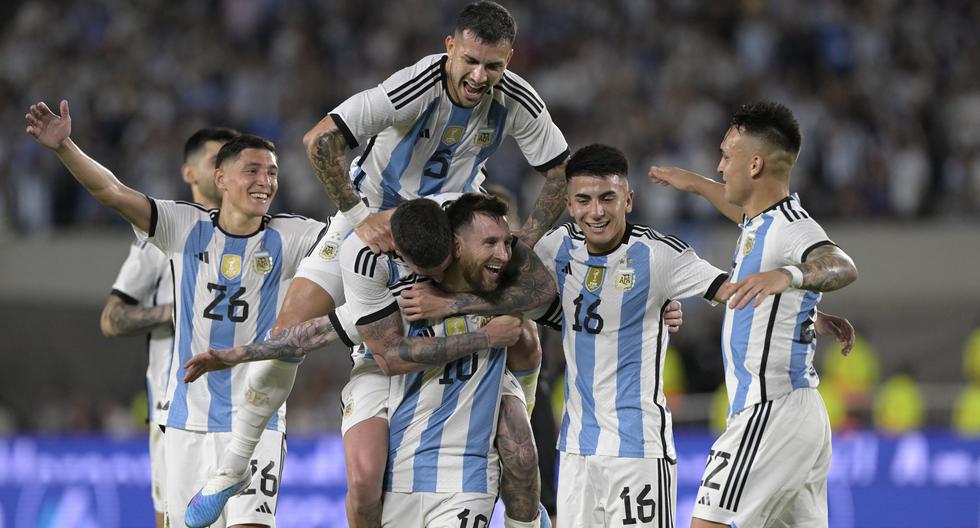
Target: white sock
x=268, y=385
x=511, y=523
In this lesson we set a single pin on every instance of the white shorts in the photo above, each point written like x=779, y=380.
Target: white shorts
x=191, y=458
x=438, y=510
x=769, y=468
x=598, y=490
x=322, y=265
x=366, y=394
x=158, y=469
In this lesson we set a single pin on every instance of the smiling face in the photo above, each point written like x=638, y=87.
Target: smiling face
x=739, y=164
x=474, y=66
x=483, y=249
x=599, y=205
x=249, y=182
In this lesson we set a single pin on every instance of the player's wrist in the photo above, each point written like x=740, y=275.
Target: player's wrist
x=795, y=276
x=358, y=214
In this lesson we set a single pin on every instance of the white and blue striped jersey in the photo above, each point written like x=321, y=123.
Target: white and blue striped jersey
x=420, y=143
x=442, y=421
x=768, y=350
x=227, y=292
x=611, y=317
x=145, y=280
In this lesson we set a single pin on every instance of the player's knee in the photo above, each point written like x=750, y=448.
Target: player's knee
x=363, y=489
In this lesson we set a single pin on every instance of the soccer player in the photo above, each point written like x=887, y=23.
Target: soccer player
x=229, y=266
x=769, y=467
x=528, y=285
x=615, y=280
x=427, y=129
x=141, y=301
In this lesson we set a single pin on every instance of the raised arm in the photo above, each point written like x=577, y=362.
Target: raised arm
x=397, y=353
x=54, y=131
x=826, y=269
x=530, y=287
x=547, y=208
x=690, y=182
x=326, y=148
x=122, y=319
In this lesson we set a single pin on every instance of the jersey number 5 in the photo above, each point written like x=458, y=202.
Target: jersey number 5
x=237, y=307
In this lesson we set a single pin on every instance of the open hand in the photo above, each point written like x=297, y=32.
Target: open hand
x=46, y=127
x=210, y=361
x=838, y=328
x=757, y=287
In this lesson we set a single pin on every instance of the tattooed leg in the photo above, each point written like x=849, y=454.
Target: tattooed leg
x=520, y=482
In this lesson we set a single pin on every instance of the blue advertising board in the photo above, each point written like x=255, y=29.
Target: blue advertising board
x=929, y=479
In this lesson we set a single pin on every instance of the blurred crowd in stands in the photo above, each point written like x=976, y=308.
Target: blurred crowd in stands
x=886, y=90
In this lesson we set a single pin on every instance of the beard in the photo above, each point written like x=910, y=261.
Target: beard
x=477, y=280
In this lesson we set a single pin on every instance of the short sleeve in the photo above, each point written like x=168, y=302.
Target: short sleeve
x=140, y=272
x=365, y=277
x=688, y=275
x=169, y=220
x=801, y=237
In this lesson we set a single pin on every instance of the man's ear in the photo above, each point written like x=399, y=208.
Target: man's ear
x=187, y=174
x=219, y=178
x=457, y=247
x=755, y=168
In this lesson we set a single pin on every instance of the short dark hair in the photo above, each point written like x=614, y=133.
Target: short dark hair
x=235, y=146
x=198, y=139
x=421, y=231
x=462, y=211
x=596, y=160
x=489, y=21
x=770, y=121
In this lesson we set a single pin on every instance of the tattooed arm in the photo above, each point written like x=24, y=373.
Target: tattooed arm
x=122, y=319
x=547, y=208
x=520, y=483
x=326, y=148
x=397, y=353
x=293, y=342
x=527, y=285
x=827, y=268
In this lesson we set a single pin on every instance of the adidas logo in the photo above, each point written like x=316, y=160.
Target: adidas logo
x=264, y=508
x=203, y=257
x=704, y=500
x=424, y=133
x=567, y=269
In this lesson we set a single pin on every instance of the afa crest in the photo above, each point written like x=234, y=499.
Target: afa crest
x=625, y=279
x=329, y=251
x=594, y=277
x=452, y=134
x=262, y=262
x=484, y=138
x=231, y=266
x=748, y=244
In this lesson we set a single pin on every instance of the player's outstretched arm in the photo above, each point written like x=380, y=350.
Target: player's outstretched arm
x=54, y=131
x=529, y=286
x=397, y=353
x=326, y=148
x=293, y=342
x=828, y=268
x=547, y=208
x=121, y=319
x=839, y=328
x=690, y=182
